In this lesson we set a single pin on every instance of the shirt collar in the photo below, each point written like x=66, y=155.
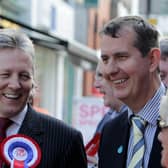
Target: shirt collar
x=150, y=112
x=123, y=108
x=18, y=119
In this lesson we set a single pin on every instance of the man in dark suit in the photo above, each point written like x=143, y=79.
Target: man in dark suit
x=116, y=108
x=32, y=138
x=131, y=55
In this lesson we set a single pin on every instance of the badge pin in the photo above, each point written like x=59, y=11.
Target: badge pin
x=20, y=151
x=120, y=149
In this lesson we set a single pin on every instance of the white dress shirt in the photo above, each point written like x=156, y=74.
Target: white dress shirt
x=17, y=122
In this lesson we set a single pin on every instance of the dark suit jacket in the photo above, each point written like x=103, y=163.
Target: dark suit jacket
x=61, y=146
x=114, y=142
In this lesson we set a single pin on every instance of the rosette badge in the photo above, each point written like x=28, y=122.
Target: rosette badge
x=20, y=151
x=164, y=111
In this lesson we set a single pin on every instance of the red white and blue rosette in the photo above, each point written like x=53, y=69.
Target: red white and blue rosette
x=20, y=151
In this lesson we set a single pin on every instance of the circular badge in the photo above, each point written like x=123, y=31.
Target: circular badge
x=20, y=151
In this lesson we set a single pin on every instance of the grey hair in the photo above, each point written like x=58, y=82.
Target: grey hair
x=13, y=38
x=17, y=39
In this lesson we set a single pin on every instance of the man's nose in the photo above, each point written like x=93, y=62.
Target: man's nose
x=14, y=83
x=97, y=84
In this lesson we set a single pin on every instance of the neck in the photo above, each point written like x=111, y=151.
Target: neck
x=143, y=98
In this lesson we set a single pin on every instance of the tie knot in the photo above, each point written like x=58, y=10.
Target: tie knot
x=139, y=123
x=4, y=123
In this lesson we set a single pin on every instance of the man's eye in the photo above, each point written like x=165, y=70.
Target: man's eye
x=4, y=75
x=25, y=77
x=104, y=59
x=122, y=57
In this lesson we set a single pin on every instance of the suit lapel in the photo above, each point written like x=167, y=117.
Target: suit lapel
x=155, y=156
x=113, y=151
x=32, y=126
x=122, y=142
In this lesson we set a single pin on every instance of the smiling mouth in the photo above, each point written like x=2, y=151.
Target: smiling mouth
x=11, y=96
x=120, y=81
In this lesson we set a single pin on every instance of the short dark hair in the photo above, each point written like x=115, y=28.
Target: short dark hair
x=164, y=47
x=146, y=34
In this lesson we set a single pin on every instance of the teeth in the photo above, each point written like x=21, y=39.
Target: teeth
x=119, y=81
x=11, y=96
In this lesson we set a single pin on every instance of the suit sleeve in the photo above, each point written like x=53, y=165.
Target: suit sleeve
x=76, y=155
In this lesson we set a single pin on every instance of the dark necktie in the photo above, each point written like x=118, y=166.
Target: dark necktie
x=4, y=124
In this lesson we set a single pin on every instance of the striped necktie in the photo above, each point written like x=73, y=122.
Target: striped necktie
x=138, y=142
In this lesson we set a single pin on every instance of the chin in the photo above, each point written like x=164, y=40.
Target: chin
x=164, y=160
x=120, y=95
x=13, y=111
x=106, y=103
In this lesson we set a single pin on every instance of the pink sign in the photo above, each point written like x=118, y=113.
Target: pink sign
x=87, y=112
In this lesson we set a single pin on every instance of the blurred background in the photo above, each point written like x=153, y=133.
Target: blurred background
x=66, y=38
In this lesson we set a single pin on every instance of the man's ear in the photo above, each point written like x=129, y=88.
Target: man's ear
x=154, y=56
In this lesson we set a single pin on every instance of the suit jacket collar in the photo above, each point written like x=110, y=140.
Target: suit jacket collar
x=114, y=150
x=123, y=140
x=155, y=157
x=31, y=125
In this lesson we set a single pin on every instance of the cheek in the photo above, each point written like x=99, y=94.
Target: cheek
x=164, y=159
x=129, y=67
x=163, y=65
x=108, y=98
x=28, y=87
x=3, y=83
x=164, y=140
x=160, y=137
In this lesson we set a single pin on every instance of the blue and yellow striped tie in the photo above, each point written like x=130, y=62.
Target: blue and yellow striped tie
x=139, y=145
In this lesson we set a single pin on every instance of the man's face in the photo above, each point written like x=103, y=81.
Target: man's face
x=109, y=99
x=104, y=88
x=100, y=84
x=163, y=138
x=164, y=70
x=16, y=80
x=126, y=70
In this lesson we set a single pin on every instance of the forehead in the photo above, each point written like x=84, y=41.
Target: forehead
x=125, y=38
x=15, y=58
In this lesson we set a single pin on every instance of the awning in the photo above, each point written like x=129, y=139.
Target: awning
x=79, y=52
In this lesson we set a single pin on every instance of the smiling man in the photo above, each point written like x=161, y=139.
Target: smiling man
x=34, y=139
x=130, y=53
x=116, y=107
x=106, y=90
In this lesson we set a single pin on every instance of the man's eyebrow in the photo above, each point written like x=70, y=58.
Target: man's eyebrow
x=120, y=53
